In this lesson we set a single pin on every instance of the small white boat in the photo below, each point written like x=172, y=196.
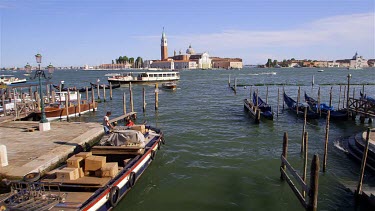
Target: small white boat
x=320, y=70
x=10, y=79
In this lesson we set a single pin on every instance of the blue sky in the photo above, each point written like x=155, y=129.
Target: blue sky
x=79, y=32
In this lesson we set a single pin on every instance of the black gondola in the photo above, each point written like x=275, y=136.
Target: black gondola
x=292, y=104
x=341, y=114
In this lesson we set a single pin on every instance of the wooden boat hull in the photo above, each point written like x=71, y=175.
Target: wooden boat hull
x=249, y=106
x=91, y=192
x=53, y=113
x=169, y=86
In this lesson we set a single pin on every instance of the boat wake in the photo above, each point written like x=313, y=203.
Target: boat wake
x=339, y=146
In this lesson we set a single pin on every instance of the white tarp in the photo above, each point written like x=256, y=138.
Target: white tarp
x=126, y=138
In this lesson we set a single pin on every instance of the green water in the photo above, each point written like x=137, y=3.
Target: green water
x=216, y=158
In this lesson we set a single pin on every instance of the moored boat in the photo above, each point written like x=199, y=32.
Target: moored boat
x=58, y=111
x=107, y=86
x=324, y=108
x=95, y=180
x=169, y=85
x=144, y=77
x=266, y=109
x=292, y=104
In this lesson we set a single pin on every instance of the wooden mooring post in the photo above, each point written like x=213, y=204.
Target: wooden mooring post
x=131, y=97
x=319, y=109
x=229, y=81
x=330, y=97
x=310, y=202
x=283, y=97
x=124, y=103
x=156, y=97
x=267, y=96
x=338, y=106
x=298, y=99
x=98, y=89
x=110, y=90
x=347, y=95
x=326, y=141
x=144, y=99
x=303, y=130
x=304, y=176
x=3, y=103
x=278, y=101
x=363, y=164
x=67, y=106
x=104, y=97
x=79, y=104
x=93, y=98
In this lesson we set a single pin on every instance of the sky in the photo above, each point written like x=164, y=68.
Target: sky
x=93, y=32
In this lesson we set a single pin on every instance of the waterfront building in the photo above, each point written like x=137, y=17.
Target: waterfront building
x=126, y=65
x=184, y=64
x=203, y=60
x=357, y=62
x=167, y=64
x=227, y=63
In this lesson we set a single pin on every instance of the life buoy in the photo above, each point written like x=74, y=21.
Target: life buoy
x=153, y=153
x=132, y=179
x=114, y=195
x=31, y=177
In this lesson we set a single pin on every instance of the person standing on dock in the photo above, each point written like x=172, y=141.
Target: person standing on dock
x=106, y=124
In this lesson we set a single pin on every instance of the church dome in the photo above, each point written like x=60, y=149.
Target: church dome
x=190, y=50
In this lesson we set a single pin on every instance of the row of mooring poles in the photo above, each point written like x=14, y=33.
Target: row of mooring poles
x=143, y=96
x=104, y=91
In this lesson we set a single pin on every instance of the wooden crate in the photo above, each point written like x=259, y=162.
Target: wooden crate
x=94, y=163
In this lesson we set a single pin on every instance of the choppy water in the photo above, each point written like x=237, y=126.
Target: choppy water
x=216, y=158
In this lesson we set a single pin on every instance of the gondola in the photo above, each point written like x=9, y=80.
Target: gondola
x=65, y=89
x=292, y=104
x=341, y=114
x=101, y=86
x=266, y=110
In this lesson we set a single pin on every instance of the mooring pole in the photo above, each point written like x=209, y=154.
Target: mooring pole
x=278, y=101
x=326, y=142
x=306, y=138
x=338, y=106
x=267, y=95
x=79, y=103
x=229, y=81
x=298, y=98
x=330, y=97
x=283, y=97
x=319, y=109
x=104, y=92
x=93, y=98
x=343, y=100
x=314, y=184
x=131, y=97
x=110, y=90
x=284, y=153
x=363, y=164
x=347, y=100
x=156, y=97
x=304, y=130
x=124, y=103
x=144, y=99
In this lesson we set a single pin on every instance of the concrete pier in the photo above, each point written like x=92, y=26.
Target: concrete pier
x=31, y=150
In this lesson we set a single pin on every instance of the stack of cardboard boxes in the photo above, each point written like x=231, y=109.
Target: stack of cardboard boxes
x=86, y=164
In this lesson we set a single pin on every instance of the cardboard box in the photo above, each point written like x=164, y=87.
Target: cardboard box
x=94, y=163
x=67, y=174
x=141, y=128
x=84, y=155
x=109, y=169
x=75, y=162
x=80, y=172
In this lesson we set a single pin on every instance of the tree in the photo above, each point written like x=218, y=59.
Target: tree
x=139, y=62
x=293, y=59
x=131, y=61
x=120, y=59
x=269, y=63
x=113, y=61
x=125, y=59
x=285, y=63
x=274, y=62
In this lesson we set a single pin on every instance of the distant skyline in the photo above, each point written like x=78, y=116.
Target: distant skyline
x=92, y=32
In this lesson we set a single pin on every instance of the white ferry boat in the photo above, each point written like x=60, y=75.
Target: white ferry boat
x=143, y=77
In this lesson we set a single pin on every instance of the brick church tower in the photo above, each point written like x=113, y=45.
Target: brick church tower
x=164, y=47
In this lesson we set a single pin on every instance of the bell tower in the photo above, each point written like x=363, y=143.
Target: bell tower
x=164, y=46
